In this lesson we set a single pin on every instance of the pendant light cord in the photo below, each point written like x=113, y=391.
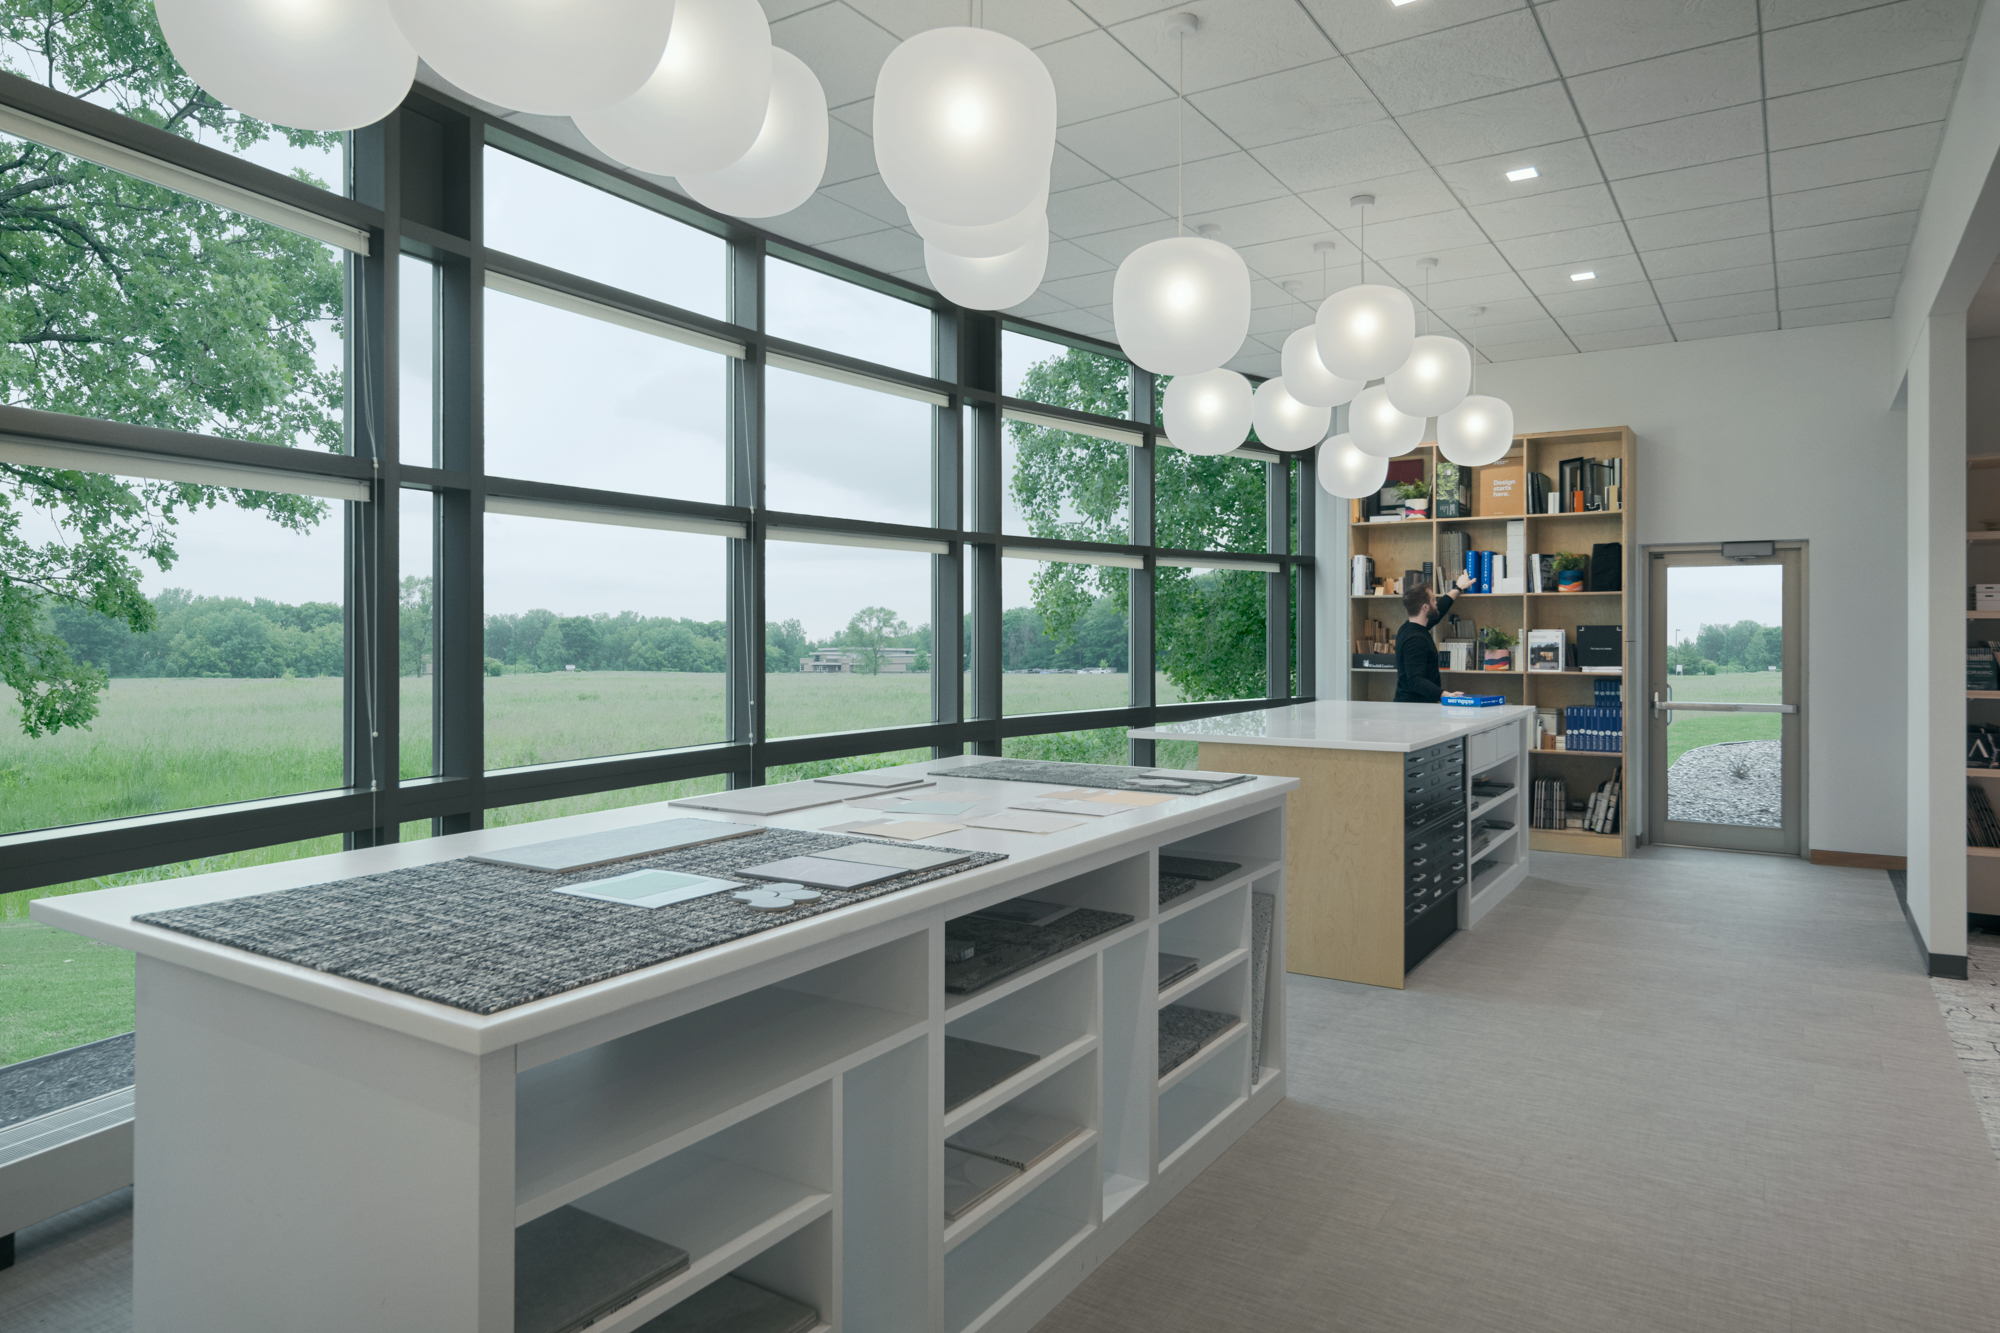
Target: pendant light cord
x=1180, y=131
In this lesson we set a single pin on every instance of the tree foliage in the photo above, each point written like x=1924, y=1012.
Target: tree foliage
x=1744, y=646
x=128, y=302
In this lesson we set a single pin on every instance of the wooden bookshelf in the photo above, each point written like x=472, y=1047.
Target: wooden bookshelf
x=1982, y=565
x=1411, y=543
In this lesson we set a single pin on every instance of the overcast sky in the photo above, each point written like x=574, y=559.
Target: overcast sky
x=1722, y=595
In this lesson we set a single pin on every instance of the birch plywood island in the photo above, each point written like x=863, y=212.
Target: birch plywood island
x=1407, y=824
x=932, y=1100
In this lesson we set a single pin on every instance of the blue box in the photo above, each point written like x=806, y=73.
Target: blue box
x=1475, y=701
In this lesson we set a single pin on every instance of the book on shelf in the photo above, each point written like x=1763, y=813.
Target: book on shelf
x=1513, y=579
x=1363, y=575
x=1982, y=828
x=1547, y=649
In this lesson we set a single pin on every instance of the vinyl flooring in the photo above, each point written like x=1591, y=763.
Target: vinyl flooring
x=1690, y=1091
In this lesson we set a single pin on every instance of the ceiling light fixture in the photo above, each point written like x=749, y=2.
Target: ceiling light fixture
x=533, y=56
x=1348, y=472
x=1400, y=3
x=1306, y=376
x=1365, y=331
x=1479, y=430
x=705, y=104
x=1436, y=377
x=785, y=164
x=1584, y=276
x=1523, y=174
x=1207, y=413
x=1285, y=423
x=332, y=67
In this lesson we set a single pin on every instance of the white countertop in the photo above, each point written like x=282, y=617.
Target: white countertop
x=1341, y=725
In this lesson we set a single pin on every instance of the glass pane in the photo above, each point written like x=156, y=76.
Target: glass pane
x=1066, y=647
x=573, y=400
x=417, y=361
x=551, y=219
x=860, y=763
x=1177, y=754
x=803, y=305
x=1725, y=635
x=1208, y=503
x=600, y=640
x=1210, y=633
x=417, y=626
x=1106, y=745
x=1045, y=372
x=1059, y=484
x=623, y=799
x=219, y=678
x=845, y=451
x=181, y=315
x=848, y=640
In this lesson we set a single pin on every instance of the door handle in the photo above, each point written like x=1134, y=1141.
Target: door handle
x=1660, y=707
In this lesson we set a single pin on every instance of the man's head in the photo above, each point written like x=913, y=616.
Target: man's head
x=1419, y=603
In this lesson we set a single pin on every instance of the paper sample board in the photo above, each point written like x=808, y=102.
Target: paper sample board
x=822, y=872
x=1013, y=1137
x=766, y=800
x=599, y=849
x=572, y=1267
x=907, y=830
x=652, y=888
x=969, y=1180
x=906, y=858
x=1093, y=809
x=1025, y=821
x=879, y=781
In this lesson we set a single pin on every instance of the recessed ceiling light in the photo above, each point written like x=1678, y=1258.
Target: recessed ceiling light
x=1584, y=276
x=1399, y=3
x=1522, y=174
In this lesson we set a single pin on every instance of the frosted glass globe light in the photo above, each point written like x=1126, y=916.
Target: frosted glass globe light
x=1181, y=306
x=990, y=284
x=991, y=240
x=784, y=166
x=705, y=103
x=1365, y=331
x=305, y=64
x=1208, y=413
x=1378, y=428
x=1478, y=431
x=965, y=126
x=1306, y=376
x=530, y=55
x=1349, y=473
x=1283, y=422
x=1435, y=378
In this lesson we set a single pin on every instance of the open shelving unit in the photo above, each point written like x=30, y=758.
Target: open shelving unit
x=1413, y=543
x=1982, y=565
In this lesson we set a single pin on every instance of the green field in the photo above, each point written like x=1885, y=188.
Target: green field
x=1689, y=730
x=174, y=744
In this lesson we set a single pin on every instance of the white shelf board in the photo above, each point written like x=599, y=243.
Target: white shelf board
x=1491, y=842
x=1230, y=1036
x=969, y=1225
x=583, y=1122
x=1253, y=869
x=973, y=1305
x=1481, y=883
x=1202, y=975
x=723, y=1215
x=1187, y=1119
x=1119, y=1191
x=1052, y=1063
x=957, y=1006
x=1482, y=807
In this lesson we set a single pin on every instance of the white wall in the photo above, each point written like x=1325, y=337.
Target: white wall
x=1783, y=436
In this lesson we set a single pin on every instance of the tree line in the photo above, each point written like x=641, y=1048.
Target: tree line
x=1744, y=646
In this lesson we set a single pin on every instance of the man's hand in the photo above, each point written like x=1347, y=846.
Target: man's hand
x=1454, y=694
x=1462, y=582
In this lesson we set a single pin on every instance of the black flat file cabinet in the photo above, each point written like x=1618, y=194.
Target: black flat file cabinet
x=1434, y=847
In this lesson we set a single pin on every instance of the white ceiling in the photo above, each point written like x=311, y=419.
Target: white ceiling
x=1723, y=166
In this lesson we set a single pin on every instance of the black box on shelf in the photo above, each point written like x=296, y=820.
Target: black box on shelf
x=1600, y=646
x=1385, y=661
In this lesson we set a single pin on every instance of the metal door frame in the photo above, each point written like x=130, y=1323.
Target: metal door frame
x=1658, y=830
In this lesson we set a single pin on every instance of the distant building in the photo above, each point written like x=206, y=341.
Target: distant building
x=853, y=661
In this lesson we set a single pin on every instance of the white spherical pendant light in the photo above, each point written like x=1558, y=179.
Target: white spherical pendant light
x=1348, y=472
x=1364, y=332
x=304, y=64
x=1306, y=376
x=990, y=284
x=1181, y=306
x=530, y=55
x=1378, y=428
x=1435, y=378
x=965, y=125
x=1478, y=431
x=784, y=166
x=990, y=241
x=1207, y=413
x=1283, y=422
x=705, y=103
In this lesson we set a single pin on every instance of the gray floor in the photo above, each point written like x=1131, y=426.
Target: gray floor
x=1692, y=1091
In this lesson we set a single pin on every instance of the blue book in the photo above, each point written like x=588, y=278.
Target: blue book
x=1475, y=701
x=1486, y=571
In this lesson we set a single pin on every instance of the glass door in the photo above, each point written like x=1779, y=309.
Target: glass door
x=1724, y=765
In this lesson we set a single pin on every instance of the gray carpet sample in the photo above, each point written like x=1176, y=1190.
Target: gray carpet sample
x=1003, y=948
x=1184, y=1030
x=731, y=1305
x=50, y=1082
x=572, y=1267
x=1175, y=886
x=1110, y=777
x=485, y=938
x=971, y=1067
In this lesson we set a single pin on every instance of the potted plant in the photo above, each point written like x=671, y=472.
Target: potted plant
x=1416, y=498
x=1499, y=649
x=1569, y=571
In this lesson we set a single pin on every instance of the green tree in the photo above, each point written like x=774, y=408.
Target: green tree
x=126, y=301
x=784, y=645
x=415, y=625
x=869, y=632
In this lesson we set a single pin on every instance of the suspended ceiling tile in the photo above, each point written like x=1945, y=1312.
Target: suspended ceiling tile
x=1255, y=224
x=1312, y=99
x=1692, y=187
x=1144, y=138
x=1117, y=11
x=1493, y=334
x=1505, y=297
x=1089, y=290
x=1748, y=280
x=1690, y=141
x=1454, y=265
x=1260, y=364
x=1694, y=330
x=822, y=219
x=860, y=113
x=850, y=153
x=1243, y=39
x=1042, y=305
x=1280, y=319
x=1030, y=22
x=1214, y=182
x=1614, y=340
x=1868, y=106
x=1504, y=122
x=778, y=9
x=1265, y=293
x=1560, y=210
x=1841, y=203
x=1845, y=237
x=841, y=47
x=1112, y=246
x=1890, y=153
x=1356, y=27
x=1423, y=236
x=1106, y=206
x=1325, y=161
x=1853, y=264
x=1838, y=314
x=1294, y=257
x=1457, y=64
x=1677, y=85
x=1693, y=226
x=1497, y=314
x=1067, y=171
x=1403, y=194
x=886, y=251
x=1733, y=306
x=1614, y=271
x=1866, y=43
x=1785, y=13
x=1595, y=296
x=1529, y=351
x=1594, y=34
x=1566, y=247
x=1562, y=166
x=1681, y=260
x=1614, y=321
x=1881, y=287
x=872, y=197
x=1095, y=76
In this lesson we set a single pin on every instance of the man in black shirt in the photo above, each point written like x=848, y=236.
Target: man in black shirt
x=1417, y=679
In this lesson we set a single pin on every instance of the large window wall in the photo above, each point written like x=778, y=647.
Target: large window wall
x=512, y=487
